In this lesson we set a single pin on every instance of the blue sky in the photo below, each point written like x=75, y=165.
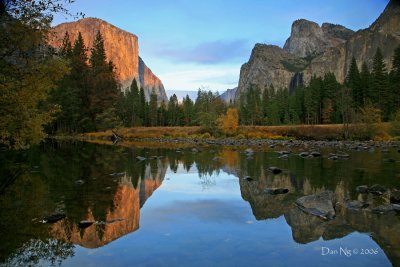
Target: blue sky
x=202, y=44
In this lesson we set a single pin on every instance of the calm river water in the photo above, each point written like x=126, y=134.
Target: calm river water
x=178, y=207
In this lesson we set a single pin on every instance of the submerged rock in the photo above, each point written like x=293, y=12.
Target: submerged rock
x=386, y=208
x=54, y=218
x=356, y=205
x=274, y=170
x=284, y=156
x=276, y=191
x=304, y=154
x=85, y=224
x=333, y=157
x=342, y=155
x=362, y=189
x=248, y=178
x=395, y=196
x=320, y=205
x=315, y=154
x=117, y=174
x=249, y=151
x=377, y=189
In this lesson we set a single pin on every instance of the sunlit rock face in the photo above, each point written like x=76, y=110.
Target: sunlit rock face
x=121, y=48
x=121, y=218
x=314, y=50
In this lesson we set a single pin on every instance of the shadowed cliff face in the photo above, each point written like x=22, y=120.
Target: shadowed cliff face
x=314, y=50
x=384, y=229
x=121, y=48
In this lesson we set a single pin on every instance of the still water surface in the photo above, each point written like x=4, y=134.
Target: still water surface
x=183, y=208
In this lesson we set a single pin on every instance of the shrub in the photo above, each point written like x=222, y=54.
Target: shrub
x=229, y=123
x=395, y=124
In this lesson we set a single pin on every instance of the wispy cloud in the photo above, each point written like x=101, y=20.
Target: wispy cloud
x=209, y=52
x=213, y=77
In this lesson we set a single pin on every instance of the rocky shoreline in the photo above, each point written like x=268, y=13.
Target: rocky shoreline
x=349, y=145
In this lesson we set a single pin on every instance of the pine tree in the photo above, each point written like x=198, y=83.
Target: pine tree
x=143, y=107
x=66, y=47
x=104, y=88
x=173, y=111
x=353, y=82
x=98, y=60
x=153, y=110
x=395, y=80
x=365, y=84
x=379, y=86
x=188, y=109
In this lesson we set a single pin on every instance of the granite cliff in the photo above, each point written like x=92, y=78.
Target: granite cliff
x=121, y=48
x=314, y=50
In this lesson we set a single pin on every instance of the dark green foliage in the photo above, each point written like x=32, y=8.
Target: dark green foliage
x=365, y=83
x=188, y=111
x=153, y=110
x=88, y=94
x=379, y=84
x=353, y=81
x=129, y=106
x=207, y=109
x=395, y=80
x=29, y=70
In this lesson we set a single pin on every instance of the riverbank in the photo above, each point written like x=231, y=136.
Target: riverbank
x=260, y=137
x=331, y=132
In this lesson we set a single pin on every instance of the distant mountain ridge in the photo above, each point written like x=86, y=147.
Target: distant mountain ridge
x=314, y=50
x=121, y=48
x=229, y=96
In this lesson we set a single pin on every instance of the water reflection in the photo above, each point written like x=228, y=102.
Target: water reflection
x=109, y=185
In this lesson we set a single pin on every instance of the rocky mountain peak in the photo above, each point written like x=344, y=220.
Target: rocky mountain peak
x=336, y=31
x=307, y=38
x=122, y=49
x=313, y=50
x=389, y=20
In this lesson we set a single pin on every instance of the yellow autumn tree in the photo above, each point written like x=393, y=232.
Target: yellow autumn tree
x=229, y=123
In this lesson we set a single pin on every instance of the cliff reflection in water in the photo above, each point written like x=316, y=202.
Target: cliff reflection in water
x=93, y=183
x=109, y=185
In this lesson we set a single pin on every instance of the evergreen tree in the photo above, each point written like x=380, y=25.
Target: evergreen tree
x=173, y=111
x=104, y=88
x=153, y=109
x=312, y=100
x=395, y=80
x=142, y=107
x=330, y=112
x=365, y=84
x=188, y=111
x=66, y=47
x=162, y=114
x=379, y=86
x=353, y=82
